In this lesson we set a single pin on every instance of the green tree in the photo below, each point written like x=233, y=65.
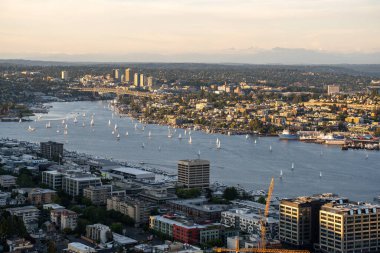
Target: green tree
x=262, y=200
x=230, y=193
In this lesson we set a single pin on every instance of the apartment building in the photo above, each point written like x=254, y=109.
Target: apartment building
x=29, y=215
x=51, y=150
x=53, y=179
x=7, y=181
x=349, y=227
x=299, y=219
x=64, y=218
x=99, y=194
x=38, y=196
x=98, y=233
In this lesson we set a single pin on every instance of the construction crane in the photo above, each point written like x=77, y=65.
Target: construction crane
x=262, y=248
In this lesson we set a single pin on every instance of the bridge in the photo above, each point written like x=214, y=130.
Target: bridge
x=118, y=91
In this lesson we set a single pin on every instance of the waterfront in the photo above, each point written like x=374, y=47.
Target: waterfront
x=239, y=161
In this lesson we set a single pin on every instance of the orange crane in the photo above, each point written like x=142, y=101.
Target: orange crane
x=262, y=248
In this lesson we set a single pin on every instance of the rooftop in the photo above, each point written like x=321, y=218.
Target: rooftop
x=132, y=171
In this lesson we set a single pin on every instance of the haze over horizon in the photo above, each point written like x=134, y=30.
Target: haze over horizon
x=210, y=31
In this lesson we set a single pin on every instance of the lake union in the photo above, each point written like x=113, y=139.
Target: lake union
x=249, y=162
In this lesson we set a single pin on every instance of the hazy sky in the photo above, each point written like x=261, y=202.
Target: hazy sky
x=31, y=27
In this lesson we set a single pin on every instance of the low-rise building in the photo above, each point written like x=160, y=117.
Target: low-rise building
x=74, y=184
x=29, y=215
x=19, y=245
x=99, y=194
x=77, y=247
x=7, y=181
x=64, y=218
x=38, y=196
x=98, y=233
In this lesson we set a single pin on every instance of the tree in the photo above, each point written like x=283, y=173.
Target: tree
x=187, y=193
x=117, y=227
x=230, y=193
x=262, y=200
x=52, y=247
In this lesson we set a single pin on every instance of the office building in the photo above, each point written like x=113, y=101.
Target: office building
x=142, y=80
x=51, y=150
x=348, y=227
x=128, y=75
x=65, y=75
x=333, y=89
x=75, y=184
x=39, y=196
x=99, y=194
x=131, y=173
x=98, y=233
x=52, y=178
x=64, y=218
x=299, y=219
x=7, y=181
x=194, y=173
x=116, y=74
x=136, y=80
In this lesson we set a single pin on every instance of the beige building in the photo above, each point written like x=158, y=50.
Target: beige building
x=98, y=233
x=99, y=194
x=77, y=247
x=76, y=183
x=7, y=181
x=349, y=227
x=64, y=218
x=299, y=219
x=128, y=75
x=194, y=173
x=40, y=196
x=137, y=210
x=333, y=89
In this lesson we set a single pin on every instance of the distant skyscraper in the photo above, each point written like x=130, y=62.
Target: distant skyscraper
x=150, y=81
x=116, y=74
x=142, y=80
x=127, y=75
x=65, y=75
x=194, y=173
x=136, y=79
x=333, y=89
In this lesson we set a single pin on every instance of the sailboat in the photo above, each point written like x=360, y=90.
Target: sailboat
x=66, y=127
x=218, y=145
x=190, y=140
x=75, y=120
x=185, y=132
x=65, y=132
x=320, y=174
x=83, y=124
x=143, y=145
x=84, y=114
x=281, y=174
x=247, y=136
x=270, y=148
x=115, y=127
x=143, y=128
x=92, y=122
x=189, y=131
x=126, y=133
x=48, y=125
x=159, y=148
x=113, y=132
x=292, y=166
x=199, y=154
x=20, y=120
x=63, y=121
x=118, y=137
x=31, y=129
x=109, y=122
x=255, y=141
x=149, y=134
x=135, y=126
x=180, y=136
x=170, y=134
x=366, y=156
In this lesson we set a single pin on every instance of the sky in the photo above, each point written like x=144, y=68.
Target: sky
x=186, y=29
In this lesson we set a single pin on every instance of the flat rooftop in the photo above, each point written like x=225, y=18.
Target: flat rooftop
x=132, y=171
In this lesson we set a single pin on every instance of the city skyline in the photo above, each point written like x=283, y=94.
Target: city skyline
x=321, y=31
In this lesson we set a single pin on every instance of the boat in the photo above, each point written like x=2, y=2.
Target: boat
x=118, y=137
x=190, y=140
x=113, y=132
x=199, y=154
x=218, y=145
x=292, y=166
x=270, y=148
x=63, y=121
x=65, y=132
x=126, y=133
x=109, y=122
x=247, y=136
x=287, y=135
x=143, y=145
x=84, y=114
x=366, y=156
x=320, y=174
x=149, y=134
x=75, y=120
x=281, y=174
x=332, y=139
x=31, y=129
x=83, y=124
x=185, y=132
x=20, y=120
x=48, y=125
x=180, y=136
x=115, y=127
x=255, y=141
x=66, y=126
x=92, y=122
x=135, y=126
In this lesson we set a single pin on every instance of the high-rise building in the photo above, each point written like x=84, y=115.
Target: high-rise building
x=299, y=219
x=333, y=89
x=136, y=80
x=142, y=80
x=51, y=150
x=347, y=227
x=150, y=81
x=194, y=173
x=116, y=74
x=127, y=75
x=65, y=75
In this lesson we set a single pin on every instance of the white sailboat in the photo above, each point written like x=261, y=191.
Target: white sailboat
x=75, y=120
x=159, y=148
x=126, y=133
x=84, y=114
x=143, y=128
x=92, y=122
x=189, y=131
x=180, y=136
x=170, y=134
x=109, y=122
x=143, y=145
x=320, y=174
x=118, y=137
x=218, y=145
x=83, y=124
x=281, y=174
x=115, y=127
x=63, y=121
x=185, y=132
x=113, y=132
x=255, y=141
x=366, y=156
x=247, y=136
x=20, y=120
x=66, y=126
x=190, y=140
x=65, y=132
x=48, y=125
x=199, y=154
x=135, y=126
x=270, y=148
x=292, y=166
x=31, y=129
x=149, y=134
